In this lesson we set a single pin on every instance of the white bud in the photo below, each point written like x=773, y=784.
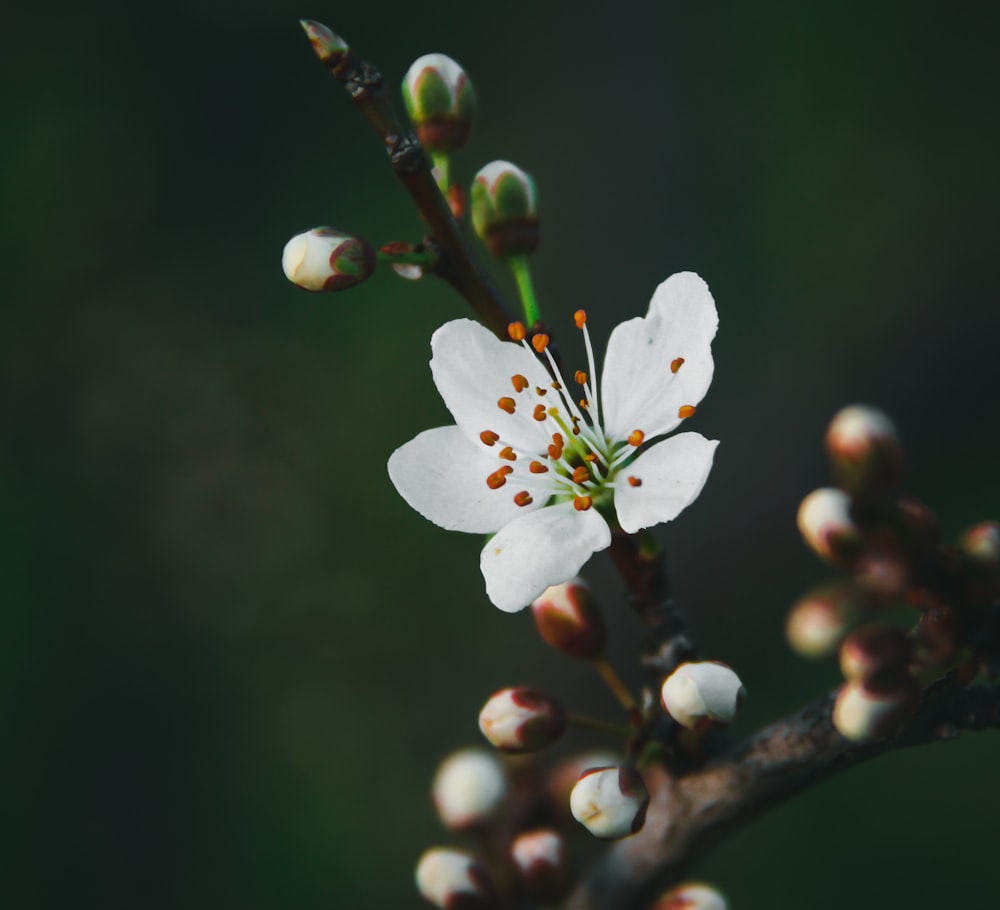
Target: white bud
x=691, y=896
x=326, y=259
x=468, y=788
x=522, y=720
x=610, y=802
x=825, y=523
x=699, y=694
x=452, y=878
x=863, y=715
x=541, y=859
x=820, y=620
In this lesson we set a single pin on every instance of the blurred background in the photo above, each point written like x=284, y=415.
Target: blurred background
x=230, y=656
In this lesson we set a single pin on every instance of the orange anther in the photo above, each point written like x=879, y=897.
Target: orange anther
x=581, y=474
x=536, y=467
x=540, y=391
x=556, y=386
x=489, y=438
x=675, y=364
x=591, y=457
x=519, y=382
x=686, y=411
x=576, y=430
x=582, y=503
x=508, y=453
x=496, y=480
x=516, y=331
x=523, y=498
x=555, y=452
x=540, y=342
x=506, y=404
x=580, y=377
x=636, y=437
x=557, y=438
x=539, y=412
x=585, y=405
x=580, y=318
x=634, y=482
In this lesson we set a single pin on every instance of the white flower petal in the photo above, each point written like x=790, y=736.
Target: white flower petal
x=443, y=476
x=472, y=370
x=535, y=551
x=640, y=390
x=671, y=476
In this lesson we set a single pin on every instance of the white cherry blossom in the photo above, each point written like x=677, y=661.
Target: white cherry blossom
x=545, y=470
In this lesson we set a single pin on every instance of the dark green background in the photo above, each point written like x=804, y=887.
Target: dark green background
x=230, y=655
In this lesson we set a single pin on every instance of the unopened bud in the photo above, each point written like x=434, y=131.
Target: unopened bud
x=454, y=880
x=327, y=46
x=326, y=259
x=468, y=789
x=826, y=525
x=504, y=206
x=542, y=863
x=441, y=102
x=700, y=694
x=877, y=654
x=610, y=802
x=981, y=543
x=569, y=620
x=819, y=621
x=691, y=896
x=564, y=776
x=520, y=719
x=861, y=714
x=864, y=450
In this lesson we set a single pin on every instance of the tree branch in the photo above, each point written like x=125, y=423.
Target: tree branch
x=458, y=265
x=688, y=815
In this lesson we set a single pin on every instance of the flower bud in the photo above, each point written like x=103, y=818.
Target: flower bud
x=864, y=450
x=981, y=543
x=454, y=880
x=520, y=719
x=877, y=654
x=882, y=572
x=542, y=863
x=440, y=101
x=862, y=715
x=468, y=789
x=610, y=802
x=700, y=694
x=826, y=525
x=504, y=206
x=691, y=896
x=330, y=48
x=562, y=779
x=569, y=620
x=819, y=621
x=326, y=259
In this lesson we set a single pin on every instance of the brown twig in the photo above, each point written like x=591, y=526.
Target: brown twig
x=688, y=815
x=458, y=265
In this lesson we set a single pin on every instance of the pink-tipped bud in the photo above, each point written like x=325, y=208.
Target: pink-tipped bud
x=702, y=694
x=864, y=715
x=454, y=880
x=568, y=619
x=864, y=450
x=541, y=860
x=520, y=719
x=330, y=48
x=326, y=259
x=826, y=525
x=691, y=896
x=610, y=802
x=820, y=620
x=468, y=788
x=877, y=654
x=981, y=543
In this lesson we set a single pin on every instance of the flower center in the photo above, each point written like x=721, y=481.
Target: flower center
x=574, y=460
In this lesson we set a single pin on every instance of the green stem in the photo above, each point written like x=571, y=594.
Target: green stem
x=442, y=163
x=424, y=258
x=522, y=275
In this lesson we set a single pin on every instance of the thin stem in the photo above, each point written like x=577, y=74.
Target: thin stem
x=526, y=288
x=427, y=259
x=615, y=684
x=592, y=723
x=442, y=164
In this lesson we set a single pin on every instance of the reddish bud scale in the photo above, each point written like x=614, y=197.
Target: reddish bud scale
x=568, y=619
x=541, y=860
x=877, y=655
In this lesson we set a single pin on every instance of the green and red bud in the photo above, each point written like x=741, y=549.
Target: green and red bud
x=702, y=694
x=326, y=45
x=569, y=619
x=454, y=880
x=520, y=719
x=981, y=543
x=610, y=802
x=468, y=789
x=327, y=259
x=441, y=102
x=864, y=450
x=504, y=206
x=826, y=525
x=541, y=861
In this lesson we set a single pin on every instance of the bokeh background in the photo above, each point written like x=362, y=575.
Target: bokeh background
x=230, y=656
